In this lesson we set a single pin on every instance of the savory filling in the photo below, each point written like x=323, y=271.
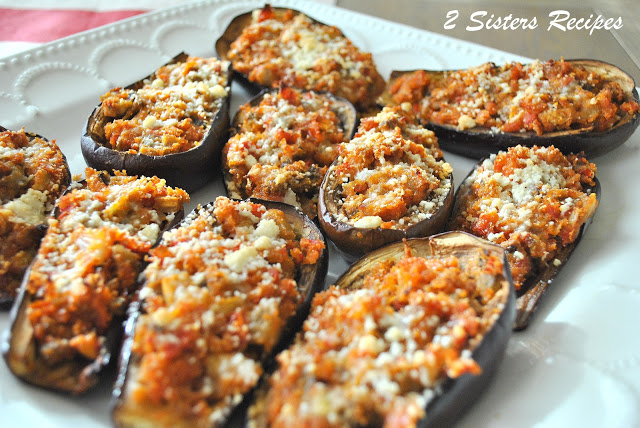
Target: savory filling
x=375, y=355
x=290, y=49
x=218, y=291
x=539, y=97
x=391, y=174
x=170, y=113
x=33, y=174
x=531, y=201
x=87, y=266
x=282, y=148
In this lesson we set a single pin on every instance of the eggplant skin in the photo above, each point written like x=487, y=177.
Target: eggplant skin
x=310, y=280
x=479, y=143
x=189, y=170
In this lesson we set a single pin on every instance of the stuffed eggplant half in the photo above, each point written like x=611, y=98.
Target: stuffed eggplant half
x=408, y=336
x=282, y=143
x=273, y=47
x=534, y=202
x=388, y=183
x=222, y=293
x=171, y=124
x=66, y=321
x=34, y=173
x=575, y=105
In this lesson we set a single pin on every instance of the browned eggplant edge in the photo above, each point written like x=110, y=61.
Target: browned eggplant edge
x=353, y=242
x=235, y=29
x=452, y=396
x=345, y=111
x=5, y=300
x=479, y=142
x=74, y=377
x=310, y=280
x=189, y=170
x=529, y=296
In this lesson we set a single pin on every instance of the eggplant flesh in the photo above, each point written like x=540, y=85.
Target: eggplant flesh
x=189, y=170
x=343, y=109
x=36, y=233
x=242, y=21
x=76, y=375
x=481, y=142
x=529, y=296
x=452, y=396
x=309, y=279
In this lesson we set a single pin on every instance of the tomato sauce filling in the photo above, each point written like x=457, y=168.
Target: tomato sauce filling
x=87, y=267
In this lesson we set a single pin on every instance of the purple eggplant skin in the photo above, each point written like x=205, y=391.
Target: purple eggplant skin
x=354, y=242
x=235, y=29
x=345, y=111
x=478, y=143
x=453, y=396
x=189, y=170
x=6, y=301
x=530, y=294
x=310, y=280
x=73, y=377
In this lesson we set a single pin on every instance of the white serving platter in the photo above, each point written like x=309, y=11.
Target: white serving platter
x=578, y=363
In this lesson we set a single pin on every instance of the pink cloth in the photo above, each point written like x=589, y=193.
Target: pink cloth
x=45, y=25
x=25, y=24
